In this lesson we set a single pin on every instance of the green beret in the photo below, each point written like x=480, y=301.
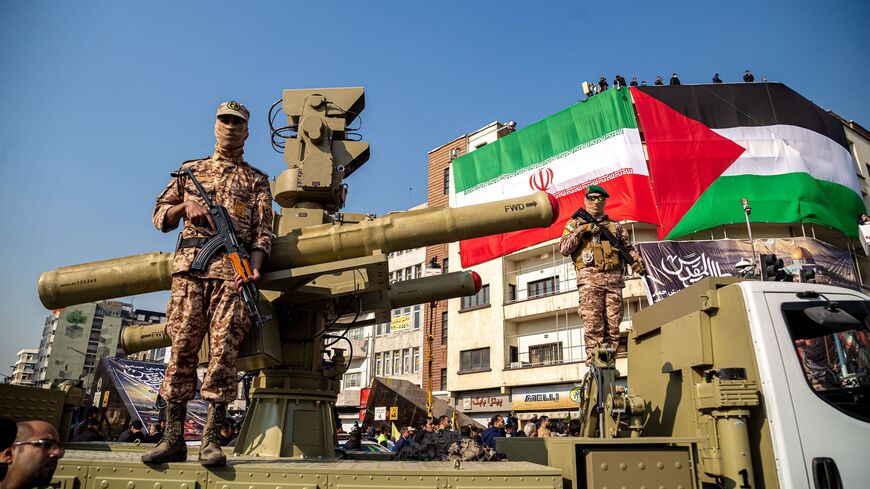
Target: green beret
x=595, y=189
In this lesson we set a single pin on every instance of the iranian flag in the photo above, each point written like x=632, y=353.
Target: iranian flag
x=593, y=142
x=710, y=146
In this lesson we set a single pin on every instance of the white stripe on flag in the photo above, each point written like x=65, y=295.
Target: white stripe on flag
x=618, y=155
x=782, y=149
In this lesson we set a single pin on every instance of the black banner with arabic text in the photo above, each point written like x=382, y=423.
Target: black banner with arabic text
x=675, y=265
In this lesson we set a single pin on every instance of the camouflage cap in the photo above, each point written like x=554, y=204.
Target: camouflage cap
x=595, y=189
x=234, y=108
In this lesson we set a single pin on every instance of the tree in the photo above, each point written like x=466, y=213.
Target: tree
x=76, y=317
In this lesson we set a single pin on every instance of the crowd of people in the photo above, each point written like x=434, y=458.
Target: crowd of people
x=591, y=89
x=498, y=427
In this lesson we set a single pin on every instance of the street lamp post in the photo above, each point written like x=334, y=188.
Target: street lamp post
x=746, y=211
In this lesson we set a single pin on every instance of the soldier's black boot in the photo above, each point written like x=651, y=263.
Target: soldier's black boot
x=210, y=454
x=171, y=447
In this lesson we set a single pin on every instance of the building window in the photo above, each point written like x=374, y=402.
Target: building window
x=444, y=328
x=444, y=267
x=546, y=286
x=477, y=300
x=545, y=354
x=379, y=367
x=379, y=329
x=406, y=361
x=416, y=359
x=397, y=363
x=356, y=333
x=514, y=354
x=388, y=364
x=447, y=180
x=471, y=360
x=416, y=318
x=418, y=271
x=352, y=380
x=443, y=379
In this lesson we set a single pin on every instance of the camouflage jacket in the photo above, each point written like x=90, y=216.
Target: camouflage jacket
x=245, y=193
x=576, y=233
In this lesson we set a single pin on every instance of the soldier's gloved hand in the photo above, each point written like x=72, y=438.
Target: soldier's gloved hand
x=591, y=228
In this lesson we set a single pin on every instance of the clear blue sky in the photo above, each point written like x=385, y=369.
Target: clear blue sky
x=101, y=100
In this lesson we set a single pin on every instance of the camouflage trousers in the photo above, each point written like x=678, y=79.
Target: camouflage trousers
x=601, y=311
x=198, y=306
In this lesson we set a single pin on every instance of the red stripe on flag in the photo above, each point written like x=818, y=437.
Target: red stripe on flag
x=630, y=199
x=685, y=157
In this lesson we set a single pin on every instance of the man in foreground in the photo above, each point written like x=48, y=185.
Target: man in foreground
x=33, y=457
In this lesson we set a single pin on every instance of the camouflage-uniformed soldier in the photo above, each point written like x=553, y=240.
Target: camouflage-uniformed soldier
x=599, y=271
x=209, y=301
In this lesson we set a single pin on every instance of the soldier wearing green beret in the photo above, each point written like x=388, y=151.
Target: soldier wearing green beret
x=599, y=271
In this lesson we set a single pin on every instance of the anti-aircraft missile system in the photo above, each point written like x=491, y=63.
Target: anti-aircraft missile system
x=327, y=268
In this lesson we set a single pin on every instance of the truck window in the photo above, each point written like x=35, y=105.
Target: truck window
x=835, y=361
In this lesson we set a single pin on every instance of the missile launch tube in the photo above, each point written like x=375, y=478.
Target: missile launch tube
x=311, y=245
x=140, y=338
x=434, y=288
x=105, y=279
x=412, y=229
x=407, y=293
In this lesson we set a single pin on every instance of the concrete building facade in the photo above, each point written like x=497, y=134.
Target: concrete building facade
x=518, y=345
x=75, y=337
x=393, y=349
x=440, y=181
x=24, y=368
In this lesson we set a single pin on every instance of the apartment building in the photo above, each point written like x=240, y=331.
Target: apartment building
x=392, y=349
x=440, y=181
x=75, y=337
x=518, y=344
x=25, y=365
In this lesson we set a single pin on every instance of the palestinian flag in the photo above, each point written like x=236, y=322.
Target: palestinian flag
x=593, y=142
x=709, y=146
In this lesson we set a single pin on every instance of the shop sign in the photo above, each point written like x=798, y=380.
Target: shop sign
x=576, y=394
x=484, y=403
x=543, y=397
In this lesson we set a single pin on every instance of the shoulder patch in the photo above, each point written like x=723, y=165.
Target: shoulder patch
x=569, y=226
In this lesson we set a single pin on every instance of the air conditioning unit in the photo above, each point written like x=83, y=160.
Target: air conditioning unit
x=516, y=364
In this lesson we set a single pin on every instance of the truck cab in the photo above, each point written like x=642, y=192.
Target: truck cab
x=815, y=379
x=743, y=384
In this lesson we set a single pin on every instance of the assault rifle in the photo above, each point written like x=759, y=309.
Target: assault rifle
x=226, y=239
x=586, y=216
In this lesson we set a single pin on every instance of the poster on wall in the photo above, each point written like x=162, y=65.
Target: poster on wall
x=674, y=265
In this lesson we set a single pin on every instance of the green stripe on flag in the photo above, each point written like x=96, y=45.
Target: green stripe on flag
x=598, y=118
x=786, y=198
